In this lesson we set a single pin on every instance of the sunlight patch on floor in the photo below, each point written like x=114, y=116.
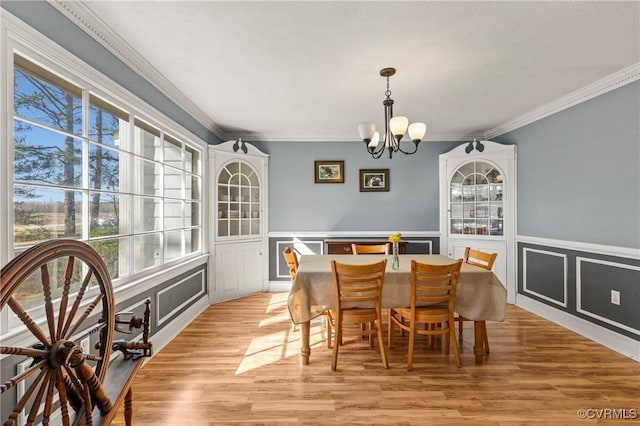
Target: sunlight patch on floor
x=267, y=349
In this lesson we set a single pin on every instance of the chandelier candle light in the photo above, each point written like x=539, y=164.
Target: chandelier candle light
x=394, y=128
x=394, y=240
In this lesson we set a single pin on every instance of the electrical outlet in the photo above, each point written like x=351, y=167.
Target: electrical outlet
x=615, y=297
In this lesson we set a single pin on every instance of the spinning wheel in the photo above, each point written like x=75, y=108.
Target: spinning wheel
x=45, y=288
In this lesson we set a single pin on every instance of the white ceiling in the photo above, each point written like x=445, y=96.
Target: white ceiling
x=309, y=70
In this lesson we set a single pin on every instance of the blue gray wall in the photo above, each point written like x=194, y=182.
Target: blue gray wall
x=296, y=203
x=579, y=172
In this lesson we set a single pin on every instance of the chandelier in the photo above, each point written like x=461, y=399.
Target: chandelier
x=394, y=128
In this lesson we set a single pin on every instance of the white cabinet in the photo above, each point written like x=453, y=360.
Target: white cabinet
x=238, y=269
x=238, y=200
x=477, y=205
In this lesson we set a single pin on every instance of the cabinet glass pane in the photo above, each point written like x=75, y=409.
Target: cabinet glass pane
x=456, y=192
x=475, y=197
x=238, y=201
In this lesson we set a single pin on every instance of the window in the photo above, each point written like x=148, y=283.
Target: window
x=87, y=169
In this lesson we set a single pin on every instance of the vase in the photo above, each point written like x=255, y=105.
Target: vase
x=395, y=264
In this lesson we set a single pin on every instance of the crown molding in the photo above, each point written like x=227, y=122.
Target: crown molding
x=78, y=13
x=607, y=84
x=268, y=137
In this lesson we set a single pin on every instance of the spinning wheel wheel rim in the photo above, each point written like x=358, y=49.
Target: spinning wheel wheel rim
x=57, y=332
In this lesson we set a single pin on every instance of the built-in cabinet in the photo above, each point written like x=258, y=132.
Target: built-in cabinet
x=238, y=241
x=477, y=205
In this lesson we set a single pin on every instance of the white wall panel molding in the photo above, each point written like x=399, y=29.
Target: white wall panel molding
x=627, y=252
x=162, y=319
x=607, y=84
x=565, y=283
x=614, y=341
x=579, y=308
x=85, y=19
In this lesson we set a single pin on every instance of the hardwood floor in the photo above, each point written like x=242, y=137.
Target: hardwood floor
x=238, y=362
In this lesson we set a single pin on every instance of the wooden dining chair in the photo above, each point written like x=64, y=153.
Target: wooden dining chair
x=433, y=291
x=292, y=261
x=357, y=300
x=486, y=261
x=371, y=248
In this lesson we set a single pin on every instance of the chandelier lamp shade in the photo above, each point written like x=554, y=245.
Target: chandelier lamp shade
x=394, y=128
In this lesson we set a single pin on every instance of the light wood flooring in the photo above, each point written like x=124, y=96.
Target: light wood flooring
x=238, y=362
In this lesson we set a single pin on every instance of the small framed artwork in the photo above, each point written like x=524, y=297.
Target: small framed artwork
x=329, y=171
x=374, y=180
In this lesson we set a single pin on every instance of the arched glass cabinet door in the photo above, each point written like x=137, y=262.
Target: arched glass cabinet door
x=238, y=200
x=476, y=202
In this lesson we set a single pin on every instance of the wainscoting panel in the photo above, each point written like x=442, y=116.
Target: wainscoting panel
x=545, y=275
x=177, y=296
x=596, y=279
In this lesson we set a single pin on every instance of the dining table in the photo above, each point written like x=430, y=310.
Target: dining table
x=480, y=296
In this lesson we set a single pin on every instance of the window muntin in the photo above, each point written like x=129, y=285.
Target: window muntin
x=116, y=170
x=475, y=200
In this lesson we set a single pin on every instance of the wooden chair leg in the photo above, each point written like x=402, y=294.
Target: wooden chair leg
x=336, y=344
x=327, y=318
x=389, y=330
x=412, y=336
x=383, y=351
x=447, y=341
x=456, y=351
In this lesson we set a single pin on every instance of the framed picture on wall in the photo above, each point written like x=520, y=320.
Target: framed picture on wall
x=329, y=171
x=374, y=180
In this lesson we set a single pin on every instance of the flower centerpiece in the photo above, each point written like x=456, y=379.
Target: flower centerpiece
x=394, y=240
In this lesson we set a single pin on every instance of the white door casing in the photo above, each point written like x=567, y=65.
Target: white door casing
x=503, y=158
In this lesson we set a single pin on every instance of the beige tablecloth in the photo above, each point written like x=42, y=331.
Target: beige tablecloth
x=479, y=295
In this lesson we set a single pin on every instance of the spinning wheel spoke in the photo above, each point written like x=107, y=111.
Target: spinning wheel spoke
x=62, y=392
x=25, y=398
x=48, y=402
x=30, y=352
x=17, y=309
x=76, y=304
x=48, y=303
x=35, y=405
x=20, y=377
x=86, y=313
x=64, y=300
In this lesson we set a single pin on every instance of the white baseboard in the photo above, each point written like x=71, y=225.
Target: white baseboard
x=279, y=285
x=612, y=340
x=163, y=337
